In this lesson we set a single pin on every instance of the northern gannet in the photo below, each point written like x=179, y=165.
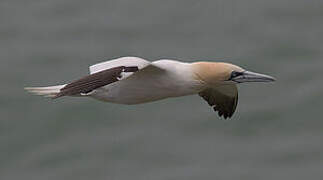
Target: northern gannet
x=133, y=80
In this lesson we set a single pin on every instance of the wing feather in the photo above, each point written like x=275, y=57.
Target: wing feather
x=103, y=74
x=223, y=99
x=122, y=61
x=93, y=81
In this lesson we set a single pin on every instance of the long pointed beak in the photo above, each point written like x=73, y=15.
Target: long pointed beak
x=249, y=76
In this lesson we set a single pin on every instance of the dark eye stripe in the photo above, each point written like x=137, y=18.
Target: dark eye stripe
x=235, y=74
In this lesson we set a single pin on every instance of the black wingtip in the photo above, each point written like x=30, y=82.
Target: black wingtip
x=130, y=69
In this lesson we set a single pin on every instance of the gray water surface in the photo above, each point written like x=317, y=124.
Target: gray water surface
x=276, y=132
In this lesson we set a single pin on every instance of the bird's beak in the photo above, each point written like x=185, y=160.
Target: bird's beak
x=248, y=76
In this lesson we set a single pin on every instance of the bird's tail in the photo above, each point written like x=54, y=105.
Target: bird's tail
x=50, y=91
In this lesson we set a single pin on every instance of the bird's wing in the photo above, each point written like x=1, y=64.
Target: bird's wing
x=123, y=61
x=223, y=99
x=103, y=74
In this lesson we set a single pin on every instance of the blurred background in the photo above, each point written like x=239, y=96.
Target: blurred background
x=276, y=132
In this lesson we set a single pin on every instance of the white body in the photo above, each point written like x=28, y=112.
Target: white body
x=132, y=80
x=158, y=80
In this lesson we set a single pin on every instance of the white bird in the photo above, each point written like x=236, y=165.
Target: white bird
x=133, y=80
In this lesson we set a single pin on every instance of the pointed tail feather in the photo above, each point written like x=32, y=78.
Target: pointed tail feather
x=50, y=91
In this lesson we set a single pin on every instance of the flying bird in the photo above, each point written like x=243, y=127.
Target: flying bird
x=133, y=80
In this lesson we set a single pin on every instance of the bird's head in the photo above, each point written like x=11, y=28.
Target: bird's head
x=225, y=73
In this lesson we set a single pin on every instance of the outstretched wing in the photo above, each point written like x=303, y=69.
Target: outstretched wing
x=123, y=61
x=91, y=82
x=103, y=74
x=223, y=99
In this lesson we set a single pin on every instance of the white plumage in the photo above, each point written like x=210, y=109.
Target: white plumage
x=157, y=80
x=49, y=91
x=133, y=80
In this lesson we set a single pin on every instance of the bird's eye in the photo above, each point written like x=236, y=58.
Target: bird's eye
x=235, y=74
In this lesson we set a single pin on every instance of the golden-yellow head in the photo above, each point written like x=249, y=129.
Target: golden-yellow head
x=218, y=73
